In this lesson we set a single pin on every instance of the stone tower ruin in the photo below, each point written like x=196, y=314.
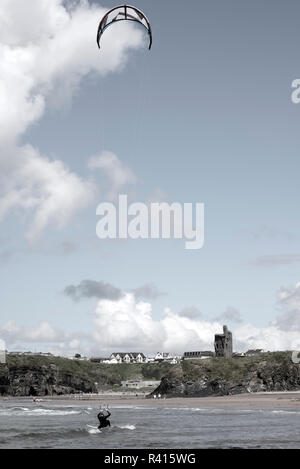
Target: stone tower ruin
x=223, y=343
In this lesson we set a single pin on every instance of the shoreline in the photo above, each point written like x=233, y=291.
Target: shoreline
x=277, y=400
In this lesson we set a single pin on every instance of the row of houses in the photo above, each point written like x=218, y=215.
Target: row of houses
x=249, y=353
x=40, y=354
x=208, y=354
x=138, y=357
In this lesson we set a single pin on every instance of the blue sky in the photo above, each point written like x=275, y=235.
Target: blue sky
x=205, y=116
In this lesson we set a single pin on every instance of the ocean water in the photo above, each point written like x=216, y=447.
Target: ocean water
x=49, y=424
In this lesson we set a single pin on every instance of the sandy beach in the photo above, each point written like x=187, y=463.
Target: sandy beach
x=275, y=400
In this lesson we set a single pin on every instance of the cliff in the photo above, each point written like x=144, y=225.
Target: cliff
x=42, y=376
x=36, y=375
x=219, y=376
x=32, y=380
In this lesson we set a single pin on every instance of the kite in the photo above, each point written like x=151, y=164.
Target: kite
x=121, y=13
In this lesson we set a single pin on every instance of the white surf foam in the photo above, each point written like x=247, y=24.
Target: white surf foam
x=285, y=412
x=51, y=412
x=37, y=411
x=127, y=427
x=93, y=430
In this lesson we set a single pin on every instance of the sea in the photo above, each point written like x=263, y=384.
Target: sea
x=51, y=424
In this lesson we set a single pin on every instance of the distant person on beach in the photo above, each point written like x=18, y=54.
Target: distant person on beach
x=103, y=419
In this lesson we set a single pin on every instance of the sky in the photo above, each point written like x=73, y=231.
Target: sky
x=205, y=116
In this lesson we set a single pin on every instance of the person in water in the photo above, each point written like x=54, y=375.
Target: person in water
x=103, y=419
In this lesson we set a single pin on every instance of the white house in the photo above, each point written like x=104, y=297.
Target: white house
x=130, y=357
x=140, y=384
x=254, y=352
x=111, y=361
x=167, y=357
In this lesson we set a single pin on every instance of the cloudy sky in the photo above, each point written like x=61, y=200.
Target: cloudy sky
x=205, y=116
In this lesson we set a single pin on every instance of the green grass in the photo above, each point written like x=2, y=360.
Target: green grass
x=111, y=375
x=104, y=374
x=233, y=369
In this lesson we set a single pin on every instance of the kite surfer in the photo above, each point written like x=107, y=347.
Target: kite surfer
x=103, y=419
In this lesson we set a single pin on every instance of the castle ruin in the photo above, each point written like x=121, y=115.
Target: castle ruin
x=223, y=343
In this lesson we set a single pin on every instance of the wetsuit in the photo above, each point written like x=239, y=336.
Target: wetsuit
x=103, y=419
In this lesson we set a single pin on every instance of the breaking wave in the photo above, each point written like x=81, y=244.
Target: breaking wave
x=25, y=411
x=93, y=430
x=285, y=412
x=126, y=427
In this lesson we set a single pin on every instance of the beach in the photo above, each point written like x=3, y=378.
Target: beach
x=258, y=400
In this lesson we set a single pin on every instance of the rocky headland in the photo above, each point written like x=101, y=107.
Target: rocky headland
x=219, y=376
x=36, y=375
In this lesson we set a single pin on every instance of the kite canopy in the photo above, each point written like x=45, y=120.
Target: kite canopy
x=121, y=13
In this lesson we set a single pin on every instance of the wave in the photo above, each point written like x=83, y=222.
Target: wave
x=93, y=430
x=25, y=411
x=51, y=412
x=133, y=406
x=125, y=427
x=46, y=434
x=13, y=409
x=216, y=410
x=208, y=410
x=285, y=412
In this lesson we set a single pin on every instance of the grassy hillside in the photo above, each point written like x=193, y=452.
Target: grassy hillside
x=39, y=375
x=106, y=375
x=273, y=371
x=235, y=369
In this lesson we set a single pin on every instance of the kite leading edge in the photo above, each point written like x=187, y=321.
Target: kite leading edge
x=121, y=13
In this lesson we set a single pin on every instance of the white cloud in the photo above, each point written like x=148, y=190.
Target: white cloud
x=48, y=190
x=269, y=338
x=24, y=23
x=148, y=291
x=289, y=304
x=126, y=324
x=43, y=332
x=289, y=297
x=117, y=173
x=43, y=338
x=158, y=196
x=129, y=325
x=74, y=344
x=92, y=288
x=231, y=314
x=276, y=260
x=190, y=312
x=46, y=48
